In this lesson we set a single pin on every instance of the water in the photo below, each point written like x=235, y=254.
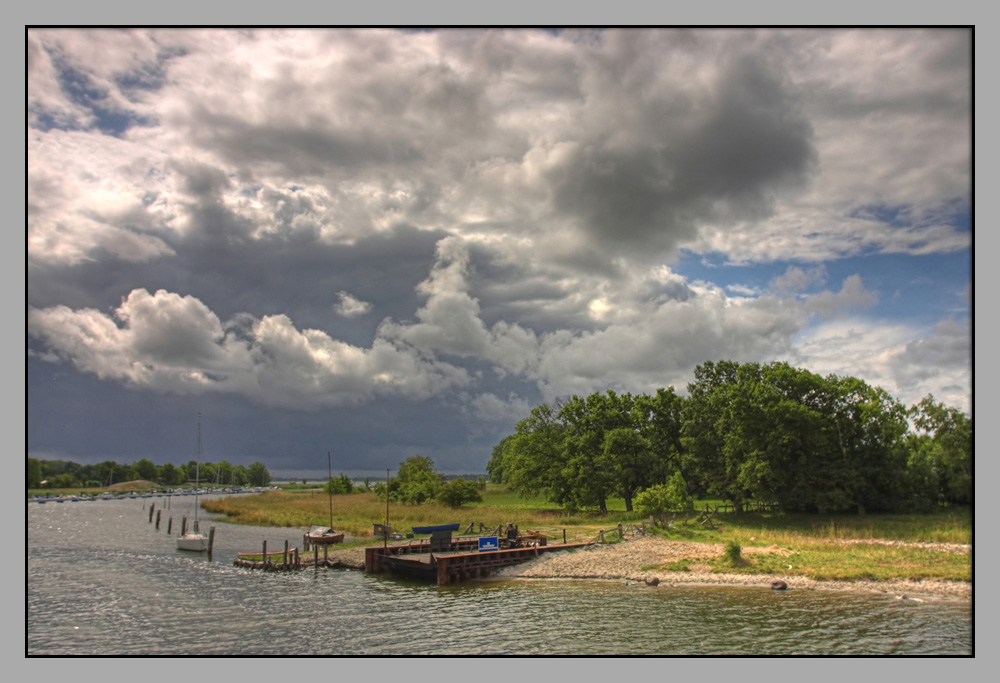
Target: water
x=103, y=581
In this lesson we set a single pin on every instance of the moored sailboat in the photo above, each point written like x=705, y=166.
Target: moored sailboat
x=195, y=540
x=325, y=535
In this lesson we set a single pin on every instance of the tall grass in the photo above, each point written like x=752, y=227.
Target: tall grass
x=356, y=513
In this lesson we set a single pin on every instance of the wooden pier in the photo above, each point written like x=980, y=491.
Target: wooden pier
x=290, y=558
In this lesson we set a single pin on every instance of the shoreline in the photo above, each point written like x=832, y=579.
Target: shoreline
x=625, y=561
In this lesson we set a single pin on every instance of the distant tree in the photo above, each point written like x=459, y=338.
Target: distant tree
x=171, y=475
x=258, y=474
x=417, y=480
x=145, y=469
x=64, y=481
x=457, y=492
x=339, y=485
x=34, y=473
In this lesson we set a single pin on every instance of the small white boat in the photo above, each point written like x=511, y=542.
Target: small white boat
x=193, y=540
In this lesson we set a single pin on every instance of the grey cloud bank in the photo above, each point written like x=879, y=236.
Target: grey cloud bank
x=319, y=233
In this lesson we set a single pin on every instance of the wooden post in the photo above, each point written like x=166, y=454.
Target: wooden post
x=326, y=561
x=211, y=539
x=151, y=506
x=263, y=553
x=284, y=555
x=601, y=532
x=184, y=525
x=305, y=542
x=158, y=513
x=621, y=533
x=564, y=537
x=295, y=553
x=170, y=525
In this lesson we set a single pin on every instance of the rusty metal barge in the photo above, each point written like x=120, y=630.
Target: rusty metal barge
x=445, y=560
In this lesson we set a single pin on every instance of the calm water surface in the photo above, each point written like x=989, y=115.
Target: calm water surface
x=103, y=580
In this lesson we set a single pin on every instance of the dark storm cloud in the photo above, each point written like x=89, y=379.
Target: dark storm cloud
x=680, y=171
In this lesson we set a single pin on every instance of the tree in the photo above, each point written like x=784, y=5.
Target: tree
x=34, y=473
x=258, y=474
x=949, y=450
x=339, y=486
x=416, y=481
x=663, y=419
x=495, y=466
x=629, y=461
x=457, y=492
x=64, y=481
x=171, y=475
x=706, y=423
x=866, y=458
x=660, y=499
x=533, y=459
x=145, y=469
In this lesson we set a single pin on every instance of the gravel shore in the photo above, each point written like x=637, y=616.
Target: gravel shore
x=625, y=561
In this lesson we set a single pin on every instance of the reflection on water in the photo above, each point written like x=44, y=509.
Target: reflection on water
x=103, y=580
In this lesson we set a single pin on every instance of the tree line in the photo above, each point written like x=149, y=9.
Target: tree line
x=746, y=433
x=66, y=474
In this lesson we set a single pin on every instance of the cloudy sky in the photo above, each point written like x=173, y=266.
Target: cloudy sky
x=381, y=243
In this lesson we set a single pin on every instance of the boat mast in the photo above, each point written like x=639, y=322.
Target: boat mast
x=329, y=471
x=197, y=468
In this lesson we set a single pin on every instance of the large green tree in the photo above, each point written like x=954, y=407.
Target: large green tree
x=946, y=434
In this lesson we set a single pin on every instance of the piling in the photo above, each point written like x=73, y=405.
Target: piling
x=170, y=525
x=184, y=525
x=211, y=539
x=264, y=553
x=151, y=506
x=284, y=555
x=158, y=512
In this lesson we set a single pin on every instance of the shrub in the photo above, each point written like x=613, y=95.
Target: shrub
x=457, y=492
x=733, y=553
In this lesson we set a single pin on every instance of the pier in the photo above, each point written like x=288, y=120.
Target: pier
x=461, y=560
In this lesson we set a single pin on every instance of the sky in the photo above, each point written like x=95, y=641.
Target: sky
x=383, y=243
